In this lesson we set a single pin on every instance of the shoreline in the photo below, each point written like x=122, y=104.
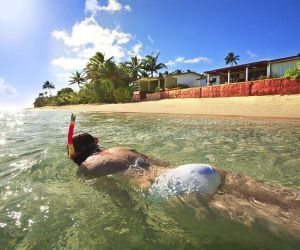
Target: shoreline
x=270, y=107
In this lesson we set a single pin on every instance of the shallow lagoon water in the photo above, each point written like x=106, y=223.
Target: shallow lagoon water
x=45, y=204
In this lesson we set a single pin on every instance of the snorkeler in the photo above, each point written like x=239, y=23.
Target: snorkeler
x=94, y=161
x=240, y=197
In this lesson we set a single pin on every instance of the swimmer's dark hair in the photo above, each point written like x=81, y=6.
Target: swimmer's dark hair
x=84, y=145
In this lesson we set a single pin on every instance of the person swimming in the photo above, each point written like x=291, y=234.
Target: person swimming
x=237, y=196
x=95, y=161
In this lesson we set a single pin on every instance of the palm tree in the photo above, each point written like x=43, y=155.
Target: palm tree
x=124, y=75
x=134, y=67
x=98, y=69
x=231, y=58
x=144, y=74
x=110, y=72
x=150, y=64
x=104, y=72
x=48, y=85
x=77, y=77
x=92, y=67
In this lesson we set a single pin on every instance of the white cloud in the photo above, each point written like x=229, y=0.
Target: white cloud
x=7, y=89
x=197, y=60
x=69, y=63
x=135, y=50
x=251, y=54
x=127, y=7
x=188, y=61
x=90, y=32
x=86, y=38
x=112, y=6
x=150, y=39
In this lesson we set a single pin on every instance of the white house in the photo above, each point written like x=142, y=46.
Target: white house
x=252, y=71
x=189, y=78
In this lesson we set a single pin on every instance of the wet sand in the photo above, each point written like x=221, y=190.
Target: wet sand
x=287, y=106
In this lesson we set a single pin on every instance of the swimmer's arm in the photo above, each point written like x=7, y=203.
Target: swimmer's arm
x=100, y=166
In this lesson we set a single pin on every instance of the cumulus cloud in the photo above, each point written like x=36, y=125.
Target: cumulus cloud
x=251, y=54
x=93, y=6
x=86, y=38
x=7, y=89
x=188, y=60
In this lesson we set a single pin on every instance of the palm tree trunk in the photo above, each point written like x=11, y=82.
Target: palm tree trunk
x=114, y=91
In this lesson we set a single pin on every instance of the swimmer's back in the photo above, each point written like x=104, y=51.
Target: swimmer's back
x=109, y=161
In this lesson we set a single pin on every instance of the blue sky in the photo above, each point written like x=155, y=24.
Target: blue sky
x=46, y=40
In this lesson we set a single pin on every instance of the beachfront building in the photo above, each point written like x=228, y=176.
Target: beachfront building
x=189, y=78
x=252, y=71
x=150, y=84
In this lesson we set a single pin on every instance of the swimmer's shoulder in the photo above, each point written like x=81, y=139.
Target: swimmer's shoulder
x=120, y=149
x=127, y=153
x=100, y=165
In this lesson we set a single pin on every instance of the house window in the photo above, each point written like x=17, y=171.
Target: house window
x=213, y=80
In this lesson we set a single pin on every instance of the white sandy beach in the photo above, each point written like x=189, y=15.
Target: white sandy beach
x=254, y=106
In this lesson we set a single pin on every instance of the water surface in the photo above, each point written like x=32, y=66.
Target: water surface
x=45, y=204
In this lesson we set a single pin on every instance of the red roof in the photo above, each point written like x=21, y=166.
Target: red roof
x=237, y=67
x=251, y=65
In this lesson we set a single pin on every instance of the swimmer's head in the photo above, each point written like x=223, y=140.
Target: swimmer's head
x=84, y=145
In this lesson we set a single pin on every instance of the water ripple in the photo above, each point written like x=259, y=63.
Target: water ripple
x=45, y=204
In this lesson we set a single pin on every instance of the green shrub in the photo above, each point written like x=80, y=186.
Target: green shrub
x=143, y=86
x=40, y=102
x=153, y=85
x=65, y=91
x=87, y=94
x=157, y=89
x=67, y=99
x=104, y=92
x=124, y=94
x=293, y=73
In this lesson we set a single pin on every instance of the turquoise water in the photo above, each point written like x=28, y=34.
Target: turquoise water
x=45, y=204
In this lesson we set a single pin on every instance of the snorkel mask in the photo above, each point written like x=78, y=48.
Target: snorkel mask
x=70, y=137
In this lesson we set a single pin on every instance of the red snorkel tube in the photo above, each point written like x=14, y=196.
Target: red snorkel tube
x=70, y=137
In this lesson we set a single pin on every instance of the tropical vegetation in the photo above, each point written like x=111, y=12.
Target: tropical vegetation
x=293, y=73
x=77, y=78
x=150, y=64
x=47, y=85
x=135, y=67
x=102, y=81
x=105, y=81
x=231, y=59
